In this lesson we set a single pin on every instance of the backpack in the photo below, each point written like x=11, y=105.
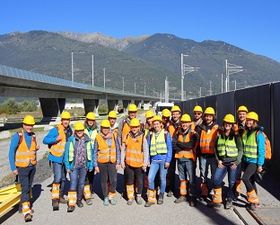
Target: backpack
x=268, y=150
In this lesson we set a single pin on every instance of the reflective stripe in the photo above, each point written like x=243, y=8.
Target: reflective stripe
x=72, y=198
x=207, y=140
x=185, y=153
x=250, y=145
x=158, y=145
x=92, y=136
x=72, y=151
x=133, y=153
x=227, y=147
x=183, y=187
x=87, y=192
x=130, y=191
x=58, y=148
x=105, y=152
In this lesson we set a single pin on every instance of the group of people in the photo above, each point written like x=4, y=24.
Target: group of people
x=148, y=153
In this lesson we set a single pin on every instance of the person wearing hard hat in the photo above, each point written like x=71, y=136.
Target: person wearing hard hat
x=78, y=160
x=165, y=115
x=172, y=129
x=160, y=145
x=134, y=160
x=149, y=122
x=91, y=131
x=229, y=150
x=207, y=140
x=112, y=117
x=56, y=140
x=23, y=160
x=253, y=156
x=124, y=126
x=239, y=127
x=184, y=146
x=107, y=161
x=197, y=115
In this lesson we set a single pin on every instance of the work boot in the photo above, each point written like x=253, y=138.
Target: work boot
x=192, y=202
x=89, y=202
x=180, y=199
x=55, y=204
x=138, y=200
x=228, y=203
x=148, y=204
x=62, y=200
x=160, y=198
x=130, y=201
x=70, y=208
x=169, y=194
x=28, y=217
x=106, y=201
x=80, y=204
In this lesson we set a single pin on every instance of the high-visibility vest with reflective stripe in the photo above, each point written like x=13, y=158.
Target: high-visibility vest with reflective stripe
x=250, y=145
x=24, y=155
x=72, y=151
x=172, y=129
x=125, y=130
x=134, y=156
x=227, y=147
x=158, y=145
x=208, y=140
x=187, y=153
x=92, y=136
x=57, y=149
x=106, y=153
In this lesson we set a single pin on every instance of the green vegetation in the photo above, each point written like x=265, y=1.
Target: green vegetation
x=11, y=107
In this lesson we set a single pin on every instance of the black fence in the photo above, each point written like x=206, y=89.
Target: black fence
x=264, y=99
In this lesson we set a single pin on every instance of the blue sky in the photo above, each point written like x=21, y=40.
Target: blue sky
x=252, y=25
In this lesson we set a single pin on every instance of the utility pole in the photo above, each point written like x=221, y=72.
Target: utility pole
x=231, y=69
x=123, y=84
x=166, y=88
x=210, y=88
x=72, y=68
x=235, y=85
x=134, y=87
x=92, y=70
x=222, y=83
x=104, y=77
x=145, y=88
x=199, y=91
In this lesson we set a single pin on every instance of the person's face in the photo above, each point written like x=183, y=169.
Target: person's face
x=176, y=116
x=105, y=130
x=242, y=116
x=197, y=115
x=65, y=123
x=132, y=115
x=79, y=133
x=209, y=118
x=165, y=119
x=149, y=120
x=157, y=126
x=227, y=126
x=112, y=121
x=134, y=130
x=91, y=123
x=27, y=128
x=185, y=125
x=250, y=123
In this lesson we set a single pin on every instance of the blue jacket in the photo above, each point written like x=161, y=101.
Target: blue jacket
x=162, y=157
x=261, y=150
x=49, y=140
x=14, y=145
x=70, y=165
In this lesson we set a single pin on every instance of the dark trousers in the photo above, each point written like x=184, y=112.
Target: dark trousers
x=108, y=172
x=134, y=174
x=26, y=176
x=170, y=178
x=248, y=175
x=90, y=179
x=186, y=169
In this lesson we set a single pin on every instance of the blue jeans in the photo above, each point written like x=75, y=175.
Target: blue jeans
x=77, y=181
x=204, y=163
x=155, y=166
x=186, y=171
x=59, y=176
x=220, y=175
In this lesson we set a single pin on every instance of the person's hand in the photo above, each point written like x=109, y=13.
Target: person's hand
x=233, y=166
x=15, y=172
x=37, y=147
x=167, y=164
x=220, y=164
x=68, y=171
x=144, y=167
x=260, y=169
x=58, y=139
x=123, y=165
x=96, y=169
x=118, y=166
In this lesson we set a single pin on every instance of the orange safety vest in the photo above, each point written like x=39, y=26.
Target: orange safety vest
x=106, y=153
x=208, y=140
x=57, y=149
x=172, y=129
x=125, y=130
x=134, y=156
x=24, y=155
x=188, y=153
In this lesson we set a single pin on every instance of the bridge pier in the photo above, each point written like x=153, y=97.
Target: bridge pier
x=52, y=107
x=91, y=105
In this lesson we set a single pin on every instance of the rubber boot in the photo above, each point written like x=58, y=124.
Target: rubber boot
x=130, y=193
x=26, y=211
x=252, y=199
x=217, y=198
x=55, y=196
x=151, y=198
x=72, y=200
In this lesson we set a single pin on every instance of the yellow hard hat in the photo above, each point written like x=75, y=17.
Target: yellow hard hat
x=105, y=124
x=134, y=122
x=197, y=108
x=175, y=108
x=65, y=115
x=29, y=120
x=229, y=118
x=242, y=108
x=209, y=111
x=132, y=108
x=149, y=114
x=252, y=116
x=91, y=116
x=112, y=114
x=157, y=118
x=186, y=118
x=166, y=113
x=79, y=126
